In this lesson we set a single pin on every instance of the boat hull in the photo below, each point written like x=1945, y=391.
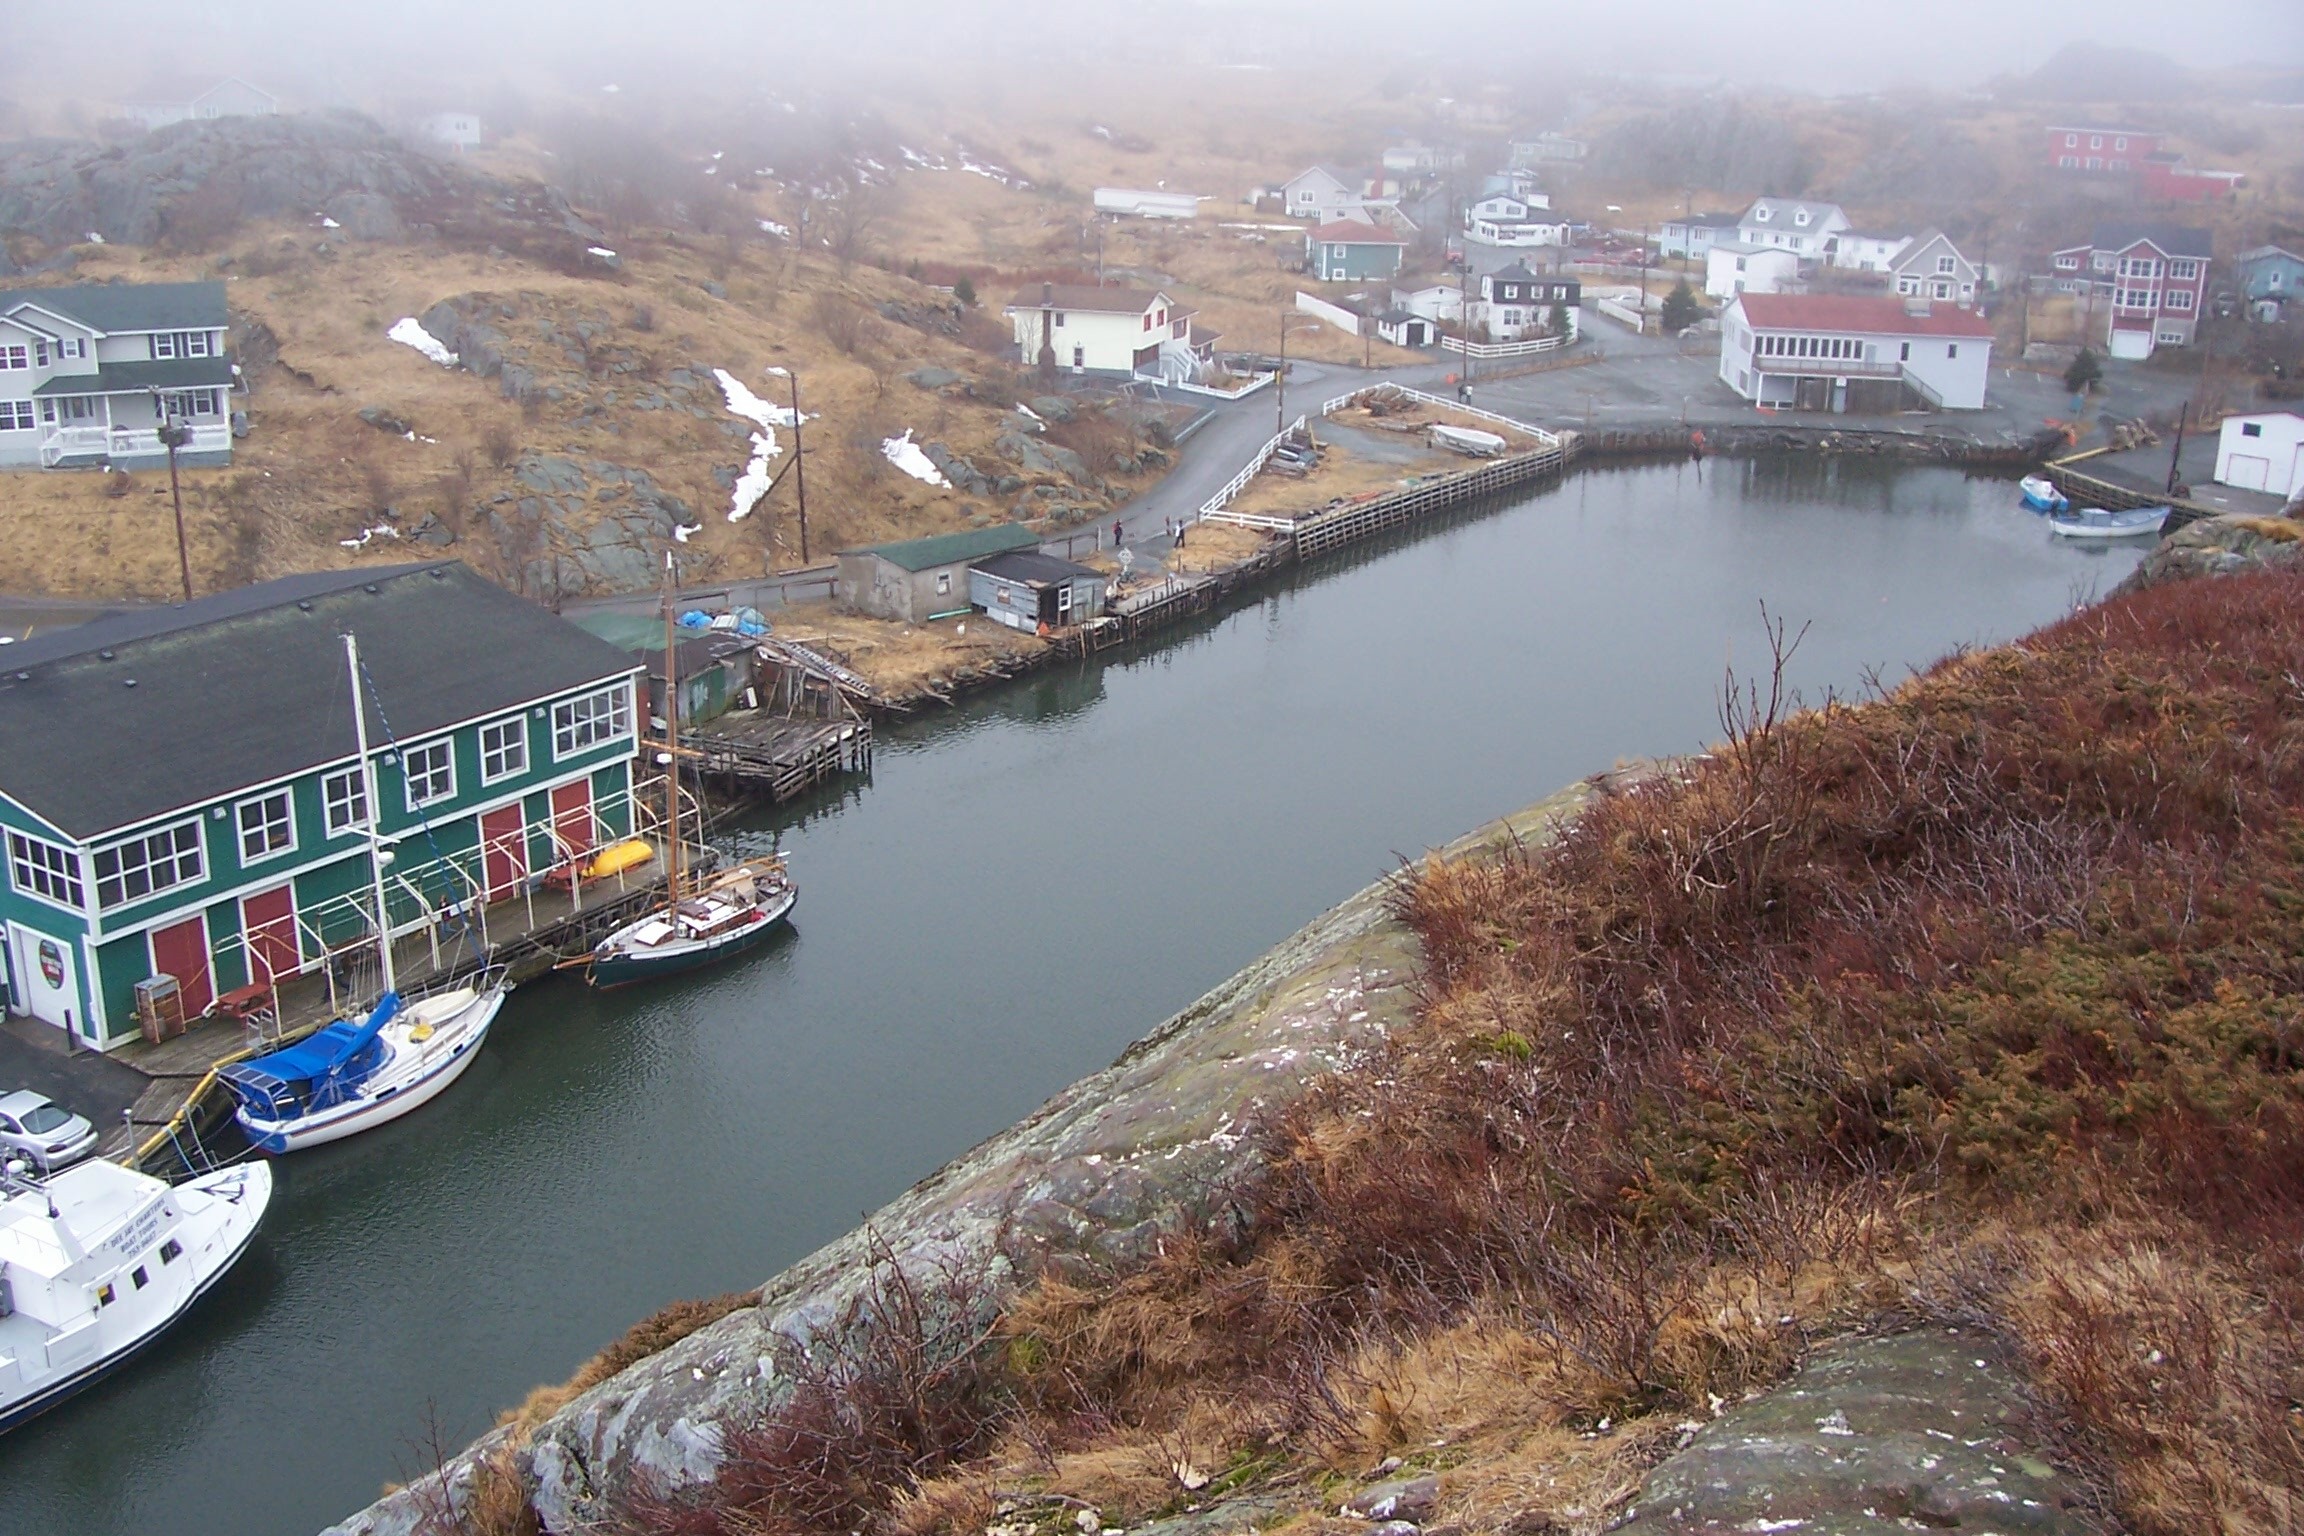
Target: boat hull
x=50, y=1395
x=2041, y=495
x=275, y=1137
x=624, y=970
x=2077, y=528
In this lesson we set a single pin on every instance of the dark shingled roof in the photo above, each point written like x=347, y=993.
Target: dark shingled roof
x=952, y=548
x=133, y=378
x=2175, y=239
x=112, y=307
x=1029, y=567
x=1086, y=298
x=248, y=686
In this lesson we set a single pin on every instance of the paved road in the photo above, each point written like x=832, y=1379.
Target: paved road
x=32, y=1056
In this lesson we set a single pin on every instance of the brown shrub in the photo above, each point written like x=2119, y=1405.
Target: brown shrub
x=501, y=444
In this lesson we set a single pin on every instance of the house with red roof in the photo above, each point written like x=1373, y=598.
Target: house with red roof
x=1855, y=354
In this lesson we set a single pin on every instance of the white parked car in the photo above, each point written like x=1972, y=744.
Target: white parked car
x=48, y=1135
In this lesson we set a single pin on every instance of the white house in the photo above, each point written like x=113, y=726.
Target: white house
x=1112, y=331
x=1809, y=230
x=225, y=98
x=1436, y=302
x=1733, y=266
x=1930, y=266
x=460, y=131
x=2262, y=453
x=1505, y=220
x=1860, y=250
x=1322, y=194
x=89, y=375
x=1516, y=304
x=1690, y=238
x=1130, y=203
x=1839, y=352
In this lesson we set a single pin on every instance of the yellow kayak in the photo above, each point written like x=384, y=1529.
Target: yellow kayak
x=619, y=857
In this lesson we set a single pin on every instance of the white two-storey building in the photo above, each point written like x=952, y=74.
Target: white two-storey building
x=1810, y=231
x=1117, y=332
x=1841, y=353
x=1512, y=222
x=89, y=375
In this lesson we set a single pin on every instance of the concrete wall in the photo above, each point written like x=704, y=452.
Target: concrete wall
x=869, y=584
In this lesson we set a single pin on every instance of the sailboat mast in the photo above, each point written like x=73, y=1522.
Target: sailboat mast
x=671, y=737
x=368, y=792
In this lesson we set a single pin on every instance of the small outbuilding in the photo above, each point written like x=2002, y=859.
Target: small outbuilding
x=2262, y=452
x=1025, y=589
x=916, y=580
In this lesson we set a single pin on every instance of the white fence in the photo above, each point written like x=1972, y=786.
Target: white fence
x=127, y=442
x=1483, y=350
x=1544, y=438
x=1214, y=506
x=1623, y=314
x=1335, y=314
x=1255, y=383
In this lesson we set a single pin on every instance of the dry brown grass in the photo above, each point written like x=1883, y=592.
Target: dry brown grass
x=1214, y=547
x=1343, y=473
x=659, y=1330
x=903, y=659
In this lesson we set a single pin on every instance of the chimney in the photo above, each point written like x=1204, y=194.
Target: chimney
x=1047, y=295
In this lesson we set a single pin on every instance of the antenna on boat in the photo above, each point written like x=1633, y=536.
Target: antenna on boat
x=671, y=744
x=375, y=808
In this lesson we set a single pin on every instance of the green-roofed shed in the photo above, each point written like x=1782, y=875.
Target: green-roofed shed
x=916, y=580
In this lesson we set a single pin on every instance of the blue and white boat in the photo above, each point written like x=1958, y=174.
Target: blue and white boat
x=349, y=1077
x=2096, y=523
x=2041, y=495
x=97, y=1260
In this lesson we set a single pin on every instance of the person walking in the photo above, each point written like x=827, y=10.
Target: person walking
x=1115, y=533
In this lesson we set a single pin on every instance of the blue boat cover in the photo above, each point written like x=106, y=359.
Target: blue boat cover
x=316, y=1071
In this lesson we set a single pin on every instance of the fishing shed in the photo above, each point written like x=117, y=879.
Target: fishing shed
x=716, y=666
x=916, y=580
x=1025, y=589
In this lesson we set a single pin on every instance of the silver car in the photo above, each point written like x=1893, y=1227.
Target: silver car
x=42, y=1131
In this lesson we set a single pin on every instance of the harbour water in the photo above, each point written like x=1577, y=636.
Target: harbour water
x=1030, y=881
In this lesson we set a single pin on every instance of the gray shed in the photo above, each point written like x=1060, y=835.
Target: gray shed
x=1027, y=589
x=922, y=579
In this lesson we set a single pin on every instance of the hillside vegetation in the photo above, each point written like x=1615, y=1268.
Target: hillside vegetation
x=1975, y=1002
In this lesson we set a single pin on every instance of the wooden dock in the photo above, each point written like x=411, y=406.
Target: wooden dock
x=782, y=754
x=183, y=1105
x=2087, y=487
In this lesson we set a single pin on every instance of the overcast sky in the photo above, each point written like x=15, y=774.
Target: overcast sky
x=1826, y=45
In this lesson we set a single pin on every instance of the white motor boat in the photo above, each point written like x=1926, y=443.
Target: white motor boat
x=2096, y=523
x=95, y=1261
x=2041, y=495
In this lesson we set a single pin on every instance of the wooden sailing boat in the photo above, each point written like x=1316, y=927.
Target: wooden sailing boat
x=724, y=914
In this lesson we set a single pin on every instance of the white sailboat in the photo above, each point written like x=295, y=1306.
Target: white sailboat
x=97, y=1260
x=349, y=1077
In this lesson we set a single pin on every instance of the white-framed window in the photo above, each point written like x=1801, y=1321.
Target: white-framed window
x=1800, y=217
x=267, y=826
x=943, y=583
x=2067, y=162
x=503, y=749
x=2184, y=268
x=164, y=345
x=1946, y=264
x=2102, y=261
x=345, y=795
x=13, y=357
x=590, y=720
x=430, y=771
x=167, y=344
x=2095, y=141
x=2179, y=298
x=2120, y=143
x=72, y=346
x=2068, y=263
x=1908, y=286
x=16, y=416
x=40, y=353
x=141, y=866
x=42, y=868
x=1762, y=215
x=2139, y=266
x=2071, y=141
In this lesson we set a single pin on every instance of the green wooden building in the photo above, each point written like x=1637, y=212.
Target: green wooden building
x=180, y=790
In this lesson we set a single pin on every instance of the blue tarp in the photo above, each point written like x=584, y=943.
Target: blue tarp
x=276, y=1081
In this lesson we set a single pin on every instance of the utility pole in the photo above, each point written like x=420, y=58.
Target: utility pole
x=174, y=435
x=799, y=465
x=2183, y=416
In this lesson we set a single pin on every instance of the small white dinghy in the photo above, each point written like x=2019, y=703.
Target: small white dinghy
x=2096, y=523
x=2041, y=495
x=98, y=1260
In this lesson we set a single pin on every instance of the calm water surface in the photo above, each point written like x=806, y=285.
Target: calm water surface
x=1030, y=882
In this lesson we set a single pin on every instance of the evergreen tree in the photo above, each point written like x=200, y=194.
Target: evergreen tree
x=2084, y=372
x=1680, y=308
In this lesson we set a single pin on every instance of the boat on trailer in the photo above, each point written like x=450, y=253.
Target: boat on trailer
x=347, y=1077
x=2097, y=523
x=2041, y=495
x=97, y=1260
x=734, y=910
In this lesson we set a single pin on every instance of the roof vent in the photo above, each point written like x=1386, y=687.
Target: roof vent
x=304, y=604
x=370, y=587
x=23, y=677
x=106, y=655
x=127, y=682
x=439, y=573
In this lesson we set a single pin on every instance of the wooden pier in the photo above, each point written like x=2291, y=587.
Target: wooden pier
x=2086, y=487
x=781, y=754
x=183, y=1105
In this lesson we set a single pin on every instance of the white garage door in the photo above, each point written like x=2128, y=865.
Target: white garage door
x=2247, y=472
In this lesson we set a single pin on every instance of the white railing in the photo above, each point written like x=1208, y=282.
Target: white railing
x=127, y=442
x=1623, y=314
x=1214, y=506
x=1255, y=383
x=1484, y=350
x=1488, y=233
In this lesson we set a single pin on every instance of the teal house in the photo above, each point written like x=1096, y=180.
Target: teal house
x=181, y=792
x=1348, y=251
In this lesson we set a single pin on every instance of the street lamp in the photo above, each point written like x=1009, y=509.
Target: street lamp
x=1280, y=379
x=173, y=435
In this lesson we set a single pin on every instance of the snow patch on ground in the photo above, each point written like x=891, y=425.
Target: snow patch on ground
x=409, y=333
x=765, y=418
x=380, y=531
x=771, y=227
x=905, y=454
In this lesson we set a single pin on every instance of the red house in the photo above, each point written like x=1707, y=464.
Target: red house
x=2114, y=151
x=2165, y=175
x=2145, y=285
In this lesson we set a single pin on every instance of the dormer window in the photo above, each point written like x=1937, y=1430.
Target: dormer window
x=1761, y=215
x=1800, y=217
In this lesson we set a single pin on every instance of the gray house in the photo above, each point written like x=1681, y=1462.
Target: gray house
x=1025, y=589
x=89, y=374
x=916, y=580
x=227, y=97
